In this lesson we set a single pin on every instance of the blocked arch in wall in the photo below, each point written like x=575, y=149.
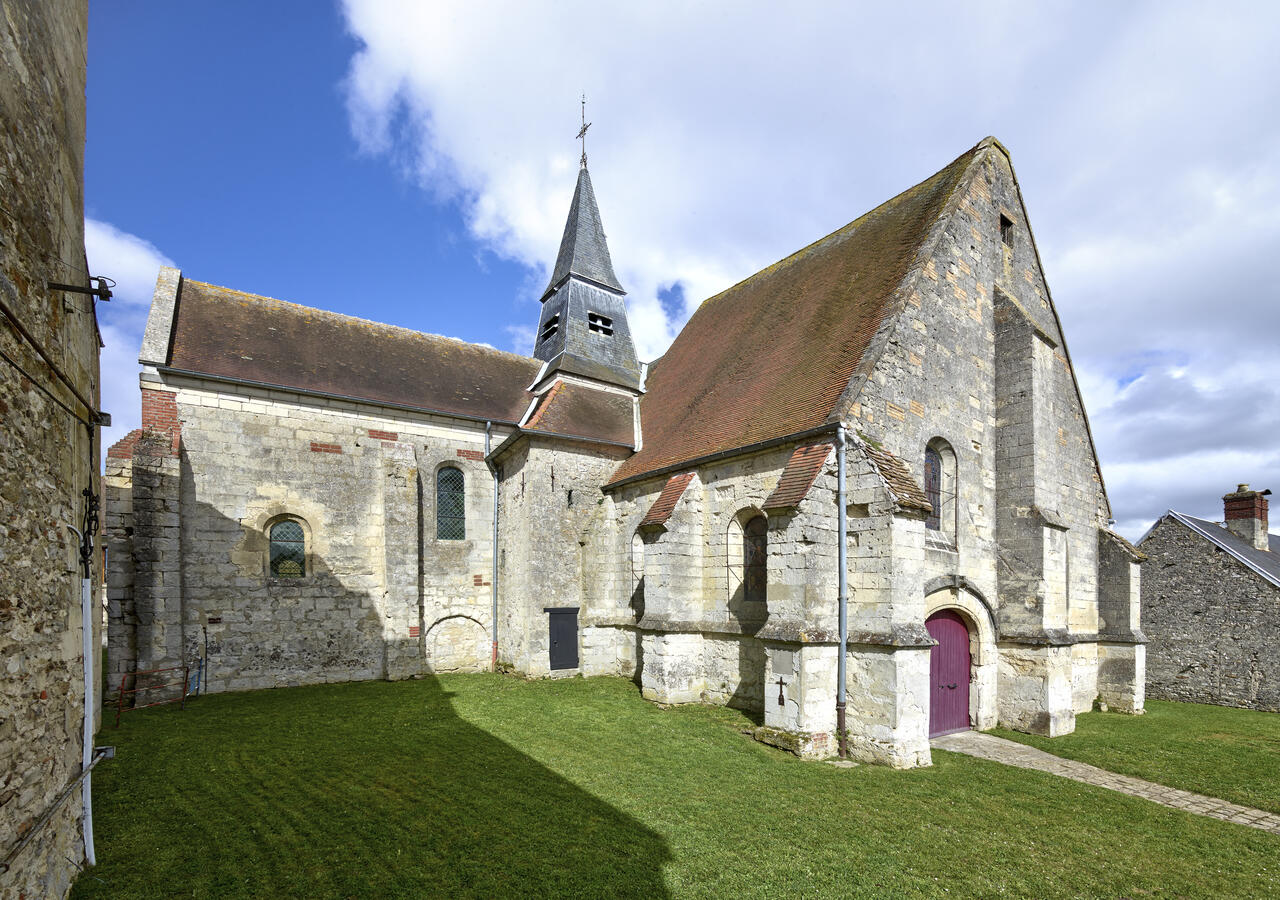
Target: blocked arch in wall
x=971, y=607
x=457, y=643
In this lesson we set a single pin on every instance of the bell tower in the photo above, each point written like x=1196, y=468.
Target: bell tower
x=583, y=328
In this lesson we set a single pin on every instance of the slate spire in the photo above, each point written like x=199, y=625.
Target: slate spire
x=583, y=251
x=583, y=328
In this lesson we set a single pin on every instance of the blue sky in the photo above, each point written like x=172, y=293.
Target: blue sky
x=412, y=162
x=218, y=131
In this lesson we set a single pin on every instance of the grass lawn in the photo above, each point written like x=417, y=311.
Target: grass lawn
x=1229, y=753
x=490, y=786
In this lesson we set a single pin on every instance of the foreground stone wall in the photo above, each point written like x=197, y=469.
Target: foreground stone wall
x=45, y=456
x=1211, y=623
x=383, y=595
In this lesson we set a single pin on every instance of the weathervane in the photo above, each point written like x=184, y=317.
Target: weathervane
x=582, y=132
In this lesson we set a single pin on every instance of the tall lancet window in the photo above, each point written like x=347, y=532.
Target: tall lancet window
x=451, y=505
x=940, y=487
x=755, y=560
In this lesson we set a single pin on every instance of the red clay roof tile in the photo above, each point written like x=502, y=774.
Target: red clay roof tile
x=896, y=475
x=667, y=500
x=772, y=355
x=227, y=333
x=798, y=476
x=580, y=411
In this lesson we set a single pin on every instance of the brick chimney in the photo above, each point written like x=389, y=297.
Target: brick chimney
x=1245, y=512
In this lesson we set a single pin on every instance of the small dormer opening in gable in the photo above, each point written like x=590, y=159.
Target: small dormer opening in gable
x=1006, y=231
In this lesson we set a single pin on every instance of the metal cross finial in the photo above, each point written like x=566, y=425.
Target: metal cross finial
x=582, y=132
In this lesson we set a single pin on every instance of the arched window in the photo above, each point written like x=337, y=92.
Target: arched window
x=755, y=559
x=451, y=505
x=940, y=487
x=288, y=550
x=933, y=487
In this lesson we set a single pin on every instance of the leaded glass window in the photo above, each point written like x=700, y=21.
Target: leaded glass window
x=933, y=487
x=755, y=559
x=451, y=505
x=288, y=550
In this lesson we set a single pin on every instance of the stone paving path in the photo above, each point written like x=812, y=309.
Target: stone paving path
x=1011, y=753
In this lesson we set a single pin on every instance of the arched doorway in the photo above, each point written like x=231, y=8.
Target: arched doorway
x=949, y=668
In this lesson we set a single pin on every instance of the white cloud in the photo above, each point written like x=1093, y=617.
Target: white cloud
x=134, y=263
x=728, y=135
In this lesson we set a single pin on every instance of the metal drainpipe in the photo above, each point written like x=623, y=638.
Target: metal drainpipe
x=493, y=575
x=86, y=756
x=842, y=563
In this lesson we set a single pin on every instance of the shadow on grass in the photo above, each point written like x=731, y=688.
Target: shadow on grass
x=277, y=793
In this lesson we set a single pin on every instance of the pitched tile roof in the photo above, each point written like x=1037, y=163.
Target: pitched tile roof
x=772, y=355
x=667, y=500
x=894, y=471
x=221, y=332
x=580, y=411
x=799, y=475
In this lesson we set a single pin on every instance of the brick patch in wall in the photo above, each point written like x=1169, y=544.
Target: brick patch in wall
x=479, y=581
x=160, y=413
x=123, y=448
x=383, y=435
x=415, y=631
x=472, y=454
x=894, y=411
x=917, y=408
x=319, y=447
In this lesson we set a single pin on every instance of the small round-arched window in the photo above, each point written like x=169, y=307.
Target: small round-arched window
x=451, y=505
x=755, y=559
x=288, y=550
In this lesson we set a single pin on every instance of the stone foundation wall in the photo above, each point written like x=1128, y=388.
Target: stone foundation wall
x=1211, y=623
x=45, y=455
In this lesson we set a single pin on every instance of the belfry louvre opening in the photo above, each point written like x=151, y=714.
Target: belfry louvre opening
x=552, y=326
x=599, y=323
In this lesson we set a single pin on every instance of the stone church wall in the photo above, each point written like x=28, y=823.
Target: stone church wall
x=552, y=511
x=382, y=595
x=1211, y=623
x=699, y=641
x=45, y=455
x=1010, y=412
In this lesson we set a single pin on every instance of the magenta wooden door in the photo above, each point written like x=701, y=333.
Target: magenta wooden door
x=948, y=673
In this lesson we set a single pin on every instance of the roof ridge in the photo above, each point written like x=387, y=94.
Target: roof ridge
x=349, y=318
x=1193, y=522
x=896, y=301
x=848, y=228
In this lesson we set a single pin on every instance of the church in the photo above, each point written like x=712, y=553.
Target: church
x=857, y=498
